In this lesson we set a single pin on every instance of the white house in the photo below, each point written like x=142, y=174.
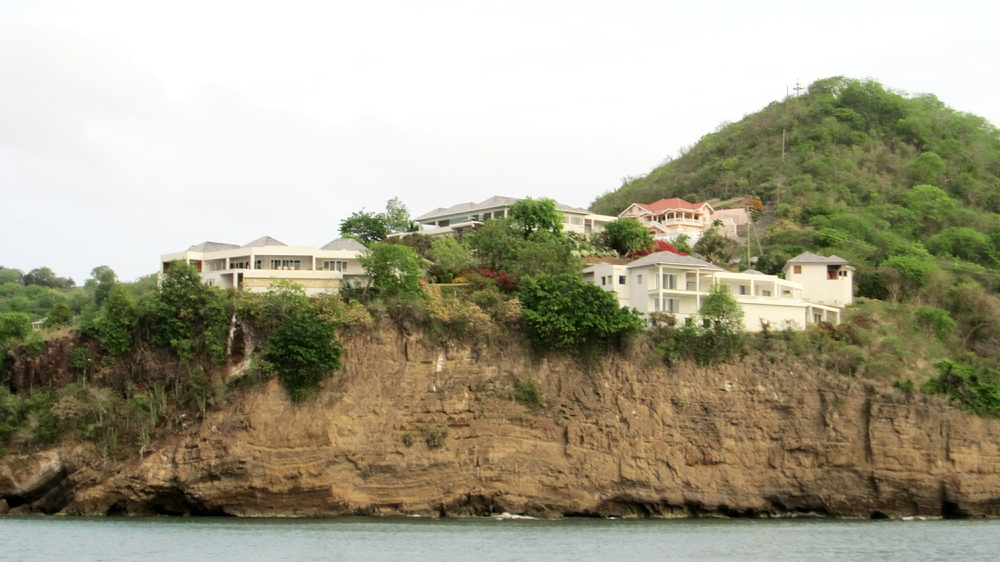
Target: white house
x=254, y=266
x=461, y=217
x=827, y=280
x=669, y=218
x=669, y=282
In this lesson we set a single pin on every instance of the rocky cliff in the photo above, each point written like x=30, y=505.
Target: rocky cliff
x=626, y=438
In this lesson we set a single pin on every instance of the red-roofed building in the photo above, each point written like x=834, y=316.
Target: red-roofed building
x=669, y=218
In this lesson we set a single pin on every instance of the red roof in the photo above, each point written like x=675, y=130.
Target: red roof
x=672, y=203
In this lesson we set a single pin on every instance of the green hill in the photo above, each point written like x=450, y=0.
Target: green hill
x=903, y=186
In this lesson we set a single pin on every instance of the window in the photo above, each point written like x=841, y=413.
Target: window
x=638, y=279
x=445, y=222
x=565, y=219
x=487, y=216
x=256, y=264
x=576, y=220
x=765, y=293
x=621, y=279
x=604, y=280
x=817, y=318
x=797, y=269
x=692, y=286
x=656, y=304
x=286, y=264
x=672, y=305
x=335, y=266
x=669, y=281
x=210, y=282
x=744, y=290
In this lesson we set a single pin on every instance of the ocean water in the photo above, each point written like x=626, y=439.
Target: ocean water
x=578, y=540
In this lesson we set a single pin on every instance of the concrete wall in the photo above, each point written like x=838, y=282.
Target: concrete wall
x=816, y=287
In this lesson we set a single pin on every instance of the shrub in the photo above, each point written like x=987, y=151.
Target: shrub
x=434, y=435
x=975, y=390
x=304, y=350
x=937, y=320
x=562, y=313
x=408, y=439
x=80, y=360
x=14, y=326
x=628, y=235
x=526, y=393
x=118, y=321
x=394, y=269
x=60, y=315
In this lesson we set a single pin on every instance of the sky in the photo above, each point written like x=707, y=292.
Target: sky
x=133, y=129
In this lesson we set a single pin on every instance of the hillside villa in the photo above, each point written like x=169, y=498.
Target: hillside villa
x=816, y=288
x=254, y=266
x=464, y=216
x=669, y=218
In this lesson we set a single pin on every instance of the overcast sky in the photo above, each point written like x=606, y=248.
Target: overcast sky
x=129, y=130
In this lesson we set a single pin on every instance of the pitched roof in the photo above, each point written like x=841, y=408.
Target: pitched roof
x=672, y=203
x=344, y=244
x=491, y=203
x=671, y=258
x=809, y=257
x=212, y=247
x=264, y=241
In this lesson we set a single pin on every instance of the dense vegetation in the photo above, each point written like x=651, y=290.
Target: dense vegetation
x=904, y=187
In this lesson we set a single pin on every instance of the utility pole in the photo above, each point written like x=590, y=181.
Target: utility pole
x=798, y=89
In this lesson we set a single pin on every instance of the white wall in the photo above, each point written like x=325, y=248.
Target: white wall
x=817, y=288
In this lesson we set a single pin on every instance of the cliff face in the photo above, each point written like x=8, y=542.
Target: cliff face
x=623, y=439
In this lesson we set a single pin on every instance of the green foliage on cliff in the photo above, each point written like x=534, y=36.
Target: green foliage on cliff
x=971, y=388
x=304, y=346
x=564, y=314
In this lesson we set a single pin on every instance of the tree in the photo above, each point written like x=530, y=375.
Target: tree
x=683, y=244
x=716, y=333
x=536, y=214
x=304, y=348
x=393, y=269
x=562, y=313
x=494, y=244
x=364, y=227
x=397, y=217
x=45, y=277
x=628, y=236
x=60, y=315
x=119, y=318
x=926, y=168
x=14, y=326
x=544, y=252
x=102, y=279
x=10, y=275
x=714, y=247
x=449, y=257
x=964, y=243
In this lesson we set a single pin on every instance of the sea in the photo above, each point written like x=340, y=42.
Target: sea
x=503, y=539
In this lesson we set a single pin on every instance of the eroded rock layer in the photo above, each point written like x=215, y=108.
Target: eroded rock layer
x=626, y=438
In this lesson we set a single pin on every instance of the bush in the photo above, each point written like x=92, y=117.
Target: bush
x=394, y=269
x=434, y=435
x=304, y=349
x=14, y=326
x=119, y=318
x=526, y=393
x=80, y=360
x=408, y=439
x=564, y=314
x=937, y=320
x=628, y=235
x=973, y=389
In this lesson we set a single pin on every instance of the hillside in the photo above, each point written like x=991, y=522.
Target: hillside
x=903, y=186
